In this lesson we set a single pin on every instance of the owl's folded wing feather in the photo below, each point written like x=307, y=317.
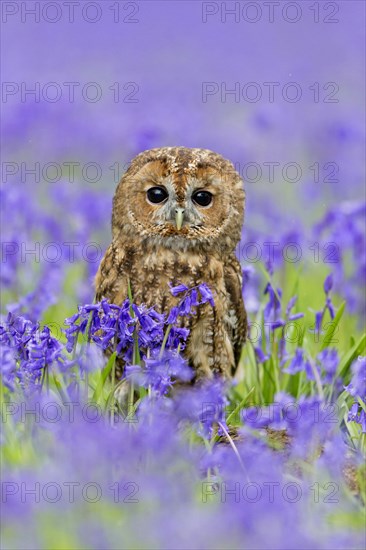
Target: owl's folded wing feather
x=108, y=280
x=237, y=317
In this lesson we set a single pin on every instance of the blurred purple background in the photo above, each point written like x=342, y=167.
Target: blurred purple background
x=160, y=57
x=169, y=52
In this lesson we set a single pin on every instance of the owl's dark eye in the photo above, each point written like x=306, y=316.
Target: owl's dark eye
x=156, y=194
x=202, y=198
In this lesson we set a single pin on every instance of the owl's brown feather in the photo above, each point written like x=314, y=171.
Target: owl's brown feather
x=149, y=251
x=237, y=316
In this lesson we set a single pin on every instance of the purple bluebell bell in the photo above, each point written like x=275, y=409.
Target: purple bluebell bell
x=204, y=406
x=328, y=362
x=206, y=294
x=34, y=349
x=319, y=315
x=178, y=289
x=328, y=284
x=160, y=373
x=261, y=357
x=273, y=307
x=357, y=388
x=298, y=363
x=190, y=300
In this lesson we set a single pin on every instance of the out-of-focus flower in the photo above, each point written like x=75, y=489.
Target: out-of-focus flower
x=261, y=357
x=160, y=372
x=273, y=306
x=357, y=388
x=326, y=365
x=299, y=363
x=328, y=362
x=319, y=315
x=289, y=318
x=204, y=406
x=357, y=414
x=33, y=349
x=272, y=416
x=343, y=227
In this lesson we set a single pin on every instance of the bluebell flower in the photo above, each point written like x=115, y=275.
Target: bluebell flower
x=357, y=386
x=328, y=361
x=357, y=414
x=319, y=315
x=261, y=357
x=290, y=305
x=299, y=363
x=328, y=284
x=206, y=294
x=292, y=316
x=185, y=306
x=33, y=349
x=318, y=321
x=177, y=337
x=178, y=289
x=269, y=267
x=173, y=315
x=8, y=367
x=160, y=373
x=90, y=358
x=279, y=323
x=190, y=300
x=272, y=416
x=362, y=420
x=353, y=415
x=204, y=405
x=273, y=307
x=344, y=224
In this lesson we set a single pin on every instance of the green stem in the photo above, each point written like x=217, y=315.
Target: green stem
x=169, y=327
x=233, y=446
x=317, y=379
x=239, y=406
x=86, y=388
x=130, y=401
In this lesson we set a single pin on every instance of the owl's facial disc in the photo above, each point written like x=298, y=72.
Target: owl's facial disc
x=172, y=213
x=177, y=202
x=181, y=198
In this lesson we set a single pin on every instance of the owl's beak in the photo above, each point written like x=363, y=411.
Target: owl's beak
x=179, y=214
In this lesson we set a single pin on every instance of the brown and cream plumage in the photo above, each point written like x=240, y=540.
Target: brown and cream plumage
x=177, y=218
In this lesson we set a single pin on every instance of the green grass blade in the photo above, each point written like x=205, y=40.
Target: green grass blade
x=239, y=406
x=354, y=352
x=332, y=328
x=103, y=377
x=60, y=389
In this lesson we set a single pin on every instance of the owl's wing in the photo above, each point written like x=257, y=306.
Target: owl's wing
x=108, y=280
x=237, y=317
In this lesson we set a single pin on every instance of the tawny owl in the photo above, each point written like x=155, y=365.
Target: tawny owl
x=177, y=218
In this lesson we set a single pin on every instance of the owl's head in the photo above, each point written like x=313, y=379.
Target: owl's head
x=179, y=197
